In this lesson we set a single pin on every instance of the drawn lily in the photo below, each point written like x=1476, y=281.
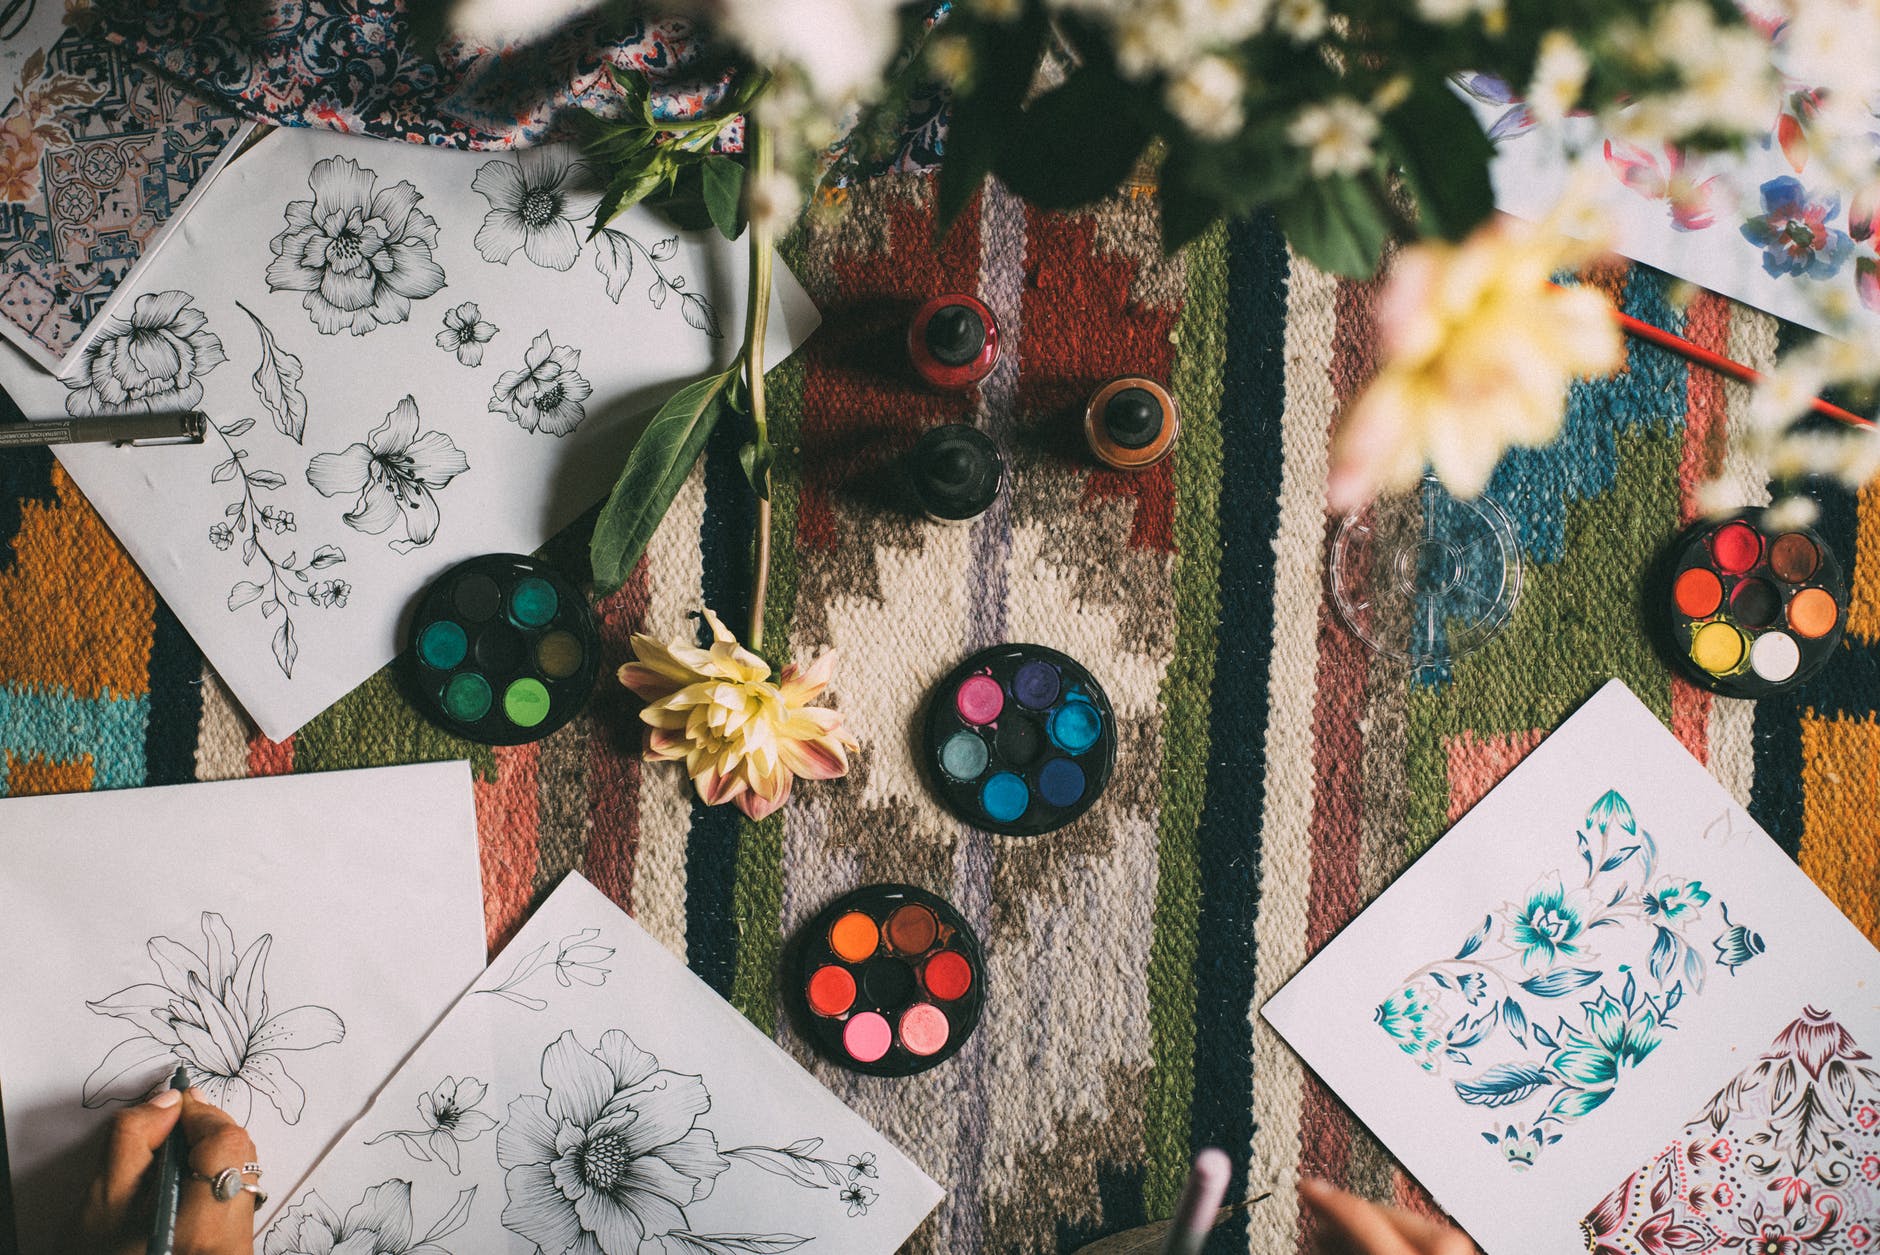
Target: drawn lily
x=533, y=207
x=546, y=394
x=211, y=1014
x=451, y=1120
x=395, y=472
x=380, y=1223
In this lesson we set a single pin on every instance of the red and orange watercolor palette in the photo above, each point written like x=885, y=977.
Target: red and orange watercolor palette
x=892, y=980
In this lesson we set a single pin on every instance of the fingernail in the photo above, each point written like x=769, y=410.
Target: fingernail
x=166, y=1098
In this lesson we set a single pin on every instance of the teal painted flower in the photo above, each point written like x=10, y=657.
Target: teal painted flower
x=1677, y=898
x=1520, y=1147
x=1737, y=946
x=1590, y=1056
x=1546, y=927
x=1410, y=1020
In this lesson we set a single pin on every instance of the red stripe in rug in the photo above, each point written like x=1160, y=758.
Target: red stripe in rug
x=614, y=740
x=1706, y=429
x=270, y=758
x=508, y=836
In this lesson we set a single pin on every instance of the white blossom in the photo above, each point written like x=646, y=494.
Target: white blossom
x=1206, y=97
x=1301, y=20
x=1559, y=74
x=1787, y=514
x=1338, y=134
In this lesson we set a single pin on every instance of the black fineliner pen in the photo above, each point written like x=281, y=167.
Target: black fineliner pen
x=183, y=427
x=171, y=1161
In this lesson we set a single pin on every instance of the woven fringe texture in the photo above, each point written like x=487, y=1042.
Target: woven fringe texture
x=1271, y=775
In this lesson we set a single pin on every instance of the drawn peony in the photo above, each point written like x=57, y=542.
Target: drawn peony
x=611, y=1158
x=546, y=394
x=211, y=1014
x=395, y=474
x=360, y=253
x=533, y=207
x=151, y=362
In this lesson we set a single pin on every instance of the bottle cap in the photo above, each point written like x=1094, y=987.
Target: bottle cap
x=955, y=334
x=956, y=471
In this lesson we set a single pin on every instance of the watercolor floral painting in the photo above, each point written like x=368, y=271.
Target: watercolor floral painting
x=1783, y=1160
x=1549, y=1005
x=210, y=1010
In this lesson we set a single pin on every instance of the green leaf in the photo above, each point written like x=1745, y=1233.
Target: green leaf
x=1005, y=59
x=632, y=183
x=1074, y=144
x=724, y=194
x=661, y=459
x=1444, y=155
x=757, y=460
x=1336, y=224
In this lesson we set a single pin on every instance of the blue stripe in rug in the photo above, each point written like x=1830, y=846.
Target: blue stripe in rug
x=1253, y=403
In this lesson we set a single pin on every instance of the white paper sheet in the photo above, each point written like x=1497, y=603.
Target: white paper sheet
x=1654, y=941
x=372, y=456
x=592, y=1095
x=307, y=931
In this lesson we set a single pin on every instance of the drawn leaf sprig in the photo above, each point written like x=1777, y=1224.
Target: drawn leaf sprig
x=277, y=382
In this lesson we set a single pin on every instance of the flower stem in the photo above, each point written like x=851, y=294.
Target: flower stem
x=762, y=170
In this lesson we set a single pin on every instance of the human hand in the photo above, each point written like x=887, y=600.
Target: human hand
x=116, y=1218
x=1356, y=1227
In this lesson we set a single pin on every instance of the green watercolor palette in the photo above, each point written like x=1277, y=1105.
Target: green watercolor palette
x=502, y=650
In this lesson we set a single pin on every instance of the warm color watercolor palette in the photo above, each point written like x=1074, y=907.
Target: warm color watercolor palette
x=503, y=650
x=891, y=979
x=1753, y=611
x=1020, y=740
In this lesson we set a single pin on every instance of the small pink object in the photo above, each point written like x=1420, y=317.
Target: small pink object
x=980, y=699
x=924, y=1028
x=866, y=1037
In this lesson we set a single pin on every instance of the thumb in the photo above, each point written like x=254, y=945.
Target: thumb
x=137, y=1134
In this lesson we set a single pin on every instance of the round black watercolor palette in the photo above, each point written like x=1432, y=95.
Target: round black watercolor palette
x=889, y=980
x=502, y=650
x=1020, y=740
x=1750, y=610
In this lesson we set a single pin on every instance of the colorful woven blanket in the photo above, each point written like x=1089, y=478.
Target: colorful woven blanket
x=1271, y=775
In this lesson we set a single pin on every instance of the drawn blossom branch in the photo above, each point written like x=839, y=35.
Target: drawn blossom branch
x=211, y=1013
x=798, y=1162
x=451, y=1120
x=247, y=518
x=614, y=259
x=576, y=958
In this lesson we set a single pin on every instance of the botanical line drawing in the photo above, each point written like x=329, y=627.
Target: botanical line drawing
x=379, y=1223
x=212, y=1014
x=451, y=1120
x=576, y=958
x=465, y=333
x=277, y=382
x=613, y=257
x=359, y=254
x=394, y=474
x=1485, y=1009
x=152, y=361
x=612, y=1155
x=1784, y=1158
x=534, y=206
x=546, y=394
x=248, y=518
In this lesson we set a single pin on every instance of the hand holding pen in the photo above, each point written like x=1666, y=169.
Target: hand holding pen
x=118, y=1206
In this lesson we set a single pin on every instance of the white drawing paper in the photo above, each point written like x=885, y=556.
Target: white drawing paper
x=590, y=1094
x=1540, y=1003
x=288, y=940
x=410, y=357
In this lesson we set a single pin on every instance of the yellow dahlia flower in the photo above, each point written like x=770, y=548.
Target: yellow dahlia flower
x=1477, y=352
x=742, y=739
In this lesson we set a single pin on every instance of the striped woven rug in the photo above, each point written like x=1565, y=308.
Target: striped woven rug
x=1271, y=776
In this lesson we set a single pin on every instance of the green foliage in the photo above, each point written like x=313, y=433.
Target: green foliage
x=1444, y=157
x=722, y=181
x=656, y=469
x=669, y=163
x=1337, y=224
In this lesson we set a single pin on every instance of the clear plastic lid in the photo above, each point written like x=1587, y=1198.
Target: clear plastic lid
x=1424, y=576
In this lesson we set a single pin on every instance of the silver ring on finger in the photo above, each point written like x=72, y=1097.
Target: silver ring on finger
x=227, y=1185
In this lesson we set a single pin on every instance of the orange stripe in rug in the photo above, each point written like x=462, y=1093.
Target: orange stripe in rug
x=37, y=775
x=614, y=740
x=1707, y=325
x=1840, y=796
x=1863, y=607
x=270, y=758
x=1690, y=717
x=508, y=838
x=1476, y=764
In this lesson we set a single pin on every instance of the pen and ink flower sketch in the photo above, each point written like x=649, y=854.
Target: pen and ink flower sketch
x=451, y=1121
x=576, y=959
x=254, y=521
x=148, y=363
x=465, y=333
x=536, y=199
x=277, y=382
x=380, y=1223
x=1609, y=956
x=1785, y=1157
x=613, y=257
x=211, y=1012
x=358, y=253
x=610, y=1158
x=547, y=393
x=393, y=477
